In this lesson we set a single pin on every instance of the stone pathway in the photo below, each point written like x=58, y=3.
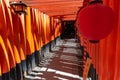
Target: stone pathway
x=63, y=63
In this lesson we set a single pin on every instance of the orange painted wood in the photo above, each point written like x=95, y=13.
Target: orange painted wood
x=16, y=39
x=22, y=37
x=4, y=60
x=8, y=33
x=35, y=29
x=29, y=35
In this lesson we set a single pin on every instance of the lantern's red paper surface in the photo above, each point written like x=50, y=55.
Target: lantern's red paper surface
x=96, y=21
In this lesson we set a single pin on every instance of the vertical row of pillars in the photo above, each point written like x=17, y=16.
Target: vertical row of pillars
x=26, y=66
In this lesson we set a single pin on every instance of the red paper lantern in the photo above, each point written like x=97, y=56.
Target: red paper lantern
x=96, y=21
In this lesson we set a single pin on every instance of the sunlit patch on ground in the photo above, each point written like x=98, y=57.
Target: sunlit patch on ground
x=60, y=64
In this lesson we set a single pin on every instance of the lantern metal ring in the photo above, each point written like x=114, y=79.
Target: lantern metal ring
x=18, y=7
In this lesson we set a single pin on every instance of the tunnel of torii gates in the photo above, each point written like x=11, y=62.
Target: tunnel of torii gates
x=23, y=36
